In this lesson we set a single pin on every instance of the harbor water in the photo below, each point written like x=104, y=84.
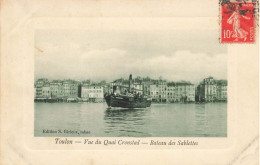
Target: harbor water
x=160, y=120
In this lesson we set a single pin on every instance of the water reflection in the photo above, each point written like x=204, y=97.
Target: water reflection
x=201, y=120
x=124, y=113
x=125, y=122
x=207, y=117
x=160, y=120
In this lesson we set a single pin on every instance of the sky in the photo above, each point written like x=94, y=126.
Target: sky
x=108, y=55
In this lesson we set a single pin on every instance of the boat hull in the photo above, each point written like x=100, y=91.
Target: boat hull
x=127, y=102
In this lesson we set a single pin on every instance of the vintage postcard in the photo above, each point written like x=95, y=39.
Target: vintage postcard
x=129, y=82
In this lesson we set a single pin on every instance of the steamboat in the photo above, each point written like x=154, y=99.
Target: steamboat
x=127, y=97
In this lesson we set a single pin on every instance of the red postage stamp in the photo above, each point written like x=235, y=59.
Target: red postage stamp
x=237, y=22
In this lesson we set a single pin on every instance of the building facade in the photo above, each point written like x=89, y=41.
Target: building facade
x=94, y=93
x=162, y=89
x=222, y=90
x=171, y=97
x=184, y=92
x=70, y=89
x=56, y=88
x=154, y=92
x=138, y=87
x=46, y=92
x=39, y=87
x=210, y=90
x=159, y=90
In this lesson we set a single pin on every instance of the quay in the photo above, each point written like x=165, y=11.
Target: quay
x=159, y=90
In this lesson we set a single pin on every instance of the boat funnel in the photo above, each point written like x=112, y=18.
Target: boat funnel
x=130, y=82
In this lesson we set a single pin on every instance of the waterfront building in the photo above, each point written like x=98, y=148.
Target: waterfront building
x=138, y=85
x=184, y=92
x=38, y=85
x=158, y=91
x=171, y=92
x=119, y=86
x=93, y=93
x=222, y=90
x=39, y=92
x=70, y=89
x=162, y=90
x=56, y=89
x=208, y=90
x=84, y=92
x=198, y=90
x=211, y=90
x=190, y=92
x=147, y=87
x=154, y=92
x=46, y=92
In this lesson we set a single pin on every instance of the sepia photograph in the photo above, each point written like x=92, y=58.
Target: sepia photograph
x=130, y=84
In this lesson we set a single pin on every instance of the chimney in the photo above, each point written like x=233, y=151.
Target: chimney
x=130, y=82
